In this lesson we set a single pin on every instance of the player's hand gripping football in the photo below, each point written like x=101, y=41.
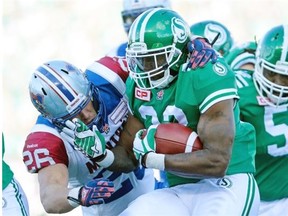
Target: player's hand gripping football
x=144, y=142
x=92, y=193
x=89, y=142
x=201, y=52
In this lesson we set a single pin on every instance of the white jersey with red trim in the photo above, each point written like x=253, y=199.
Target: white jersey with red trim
x=44, y=145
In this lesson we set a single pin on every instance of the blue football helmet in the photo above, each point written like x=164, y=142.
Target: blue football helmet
x=133, y=8
x=59, y=91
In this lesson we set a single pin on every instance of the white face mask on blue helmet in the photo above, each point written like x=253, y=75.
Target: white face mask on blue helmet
x=59, y=91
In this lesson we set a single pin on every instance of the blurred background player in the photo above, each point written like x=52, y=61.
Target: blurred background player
x=242, y=56
x=14, y=200
x=204, y=100
x=210, y=29
x=131, y=10
x=68, y=178
x=264, y=103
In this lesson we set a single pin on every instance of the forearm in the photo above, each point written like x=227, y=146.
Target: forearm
x=54, y=199
x=124, y=161
x=53, y=183
x=197, y=163
x=202, y=162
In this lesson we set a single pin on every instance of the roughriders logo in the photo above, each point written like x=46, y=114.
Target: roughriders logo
x=220, y=69
x=224, y=182
x=179, y=29
x=212, y=30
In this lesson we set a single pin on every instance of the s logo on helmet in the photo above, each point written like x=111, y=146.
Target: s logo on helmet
x=210, y=32
x=179, y=29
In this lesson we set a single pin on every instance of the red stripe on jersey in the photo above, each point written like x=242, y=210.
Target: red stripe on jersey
x=116, y=64
x=43, y=149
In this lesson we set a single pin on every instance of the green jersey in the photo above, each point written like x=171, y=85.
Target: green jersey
x=7, y=173
x=271, y=126
x=191, y=94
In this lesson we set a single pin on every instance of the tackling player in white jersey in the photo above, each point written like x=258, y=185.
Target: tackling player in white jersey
x=67, y=178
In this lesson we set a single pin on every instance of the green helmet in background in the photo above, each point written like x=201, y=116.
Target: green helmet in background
x=241, y=54
x=272, y=59
x=210, y=29
x=157, y=47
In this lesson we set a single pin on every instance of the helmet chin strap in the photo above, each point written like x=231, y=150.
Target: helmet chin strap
x=101, y=118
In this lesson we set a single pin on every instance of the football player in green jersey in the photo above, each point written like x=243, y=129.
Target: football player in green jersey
x=264, y=103
x=217, y=180
x=14, y=200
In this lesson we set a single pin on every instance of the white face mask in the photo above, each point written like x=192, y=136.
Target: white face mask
x=163, y=82
x=277, y=95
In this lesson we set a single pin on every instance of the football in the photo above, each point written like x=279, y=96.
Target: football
x=173, y=138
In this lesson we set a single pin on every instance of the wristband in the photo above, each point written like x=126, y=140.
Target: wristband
x=155, y=161
x=108, y=159
x=73, y=197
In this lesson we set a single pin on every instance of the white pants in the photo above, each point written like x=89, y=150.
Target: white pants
x=232, y=195
x=274, y=208
x=14, y=200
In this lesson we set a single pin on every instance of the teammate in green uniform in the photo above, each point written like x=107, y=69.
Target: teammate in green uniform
x=161, y=89
x=216, y=32
x=242, y=56
x=264, y=103
x=14, y=200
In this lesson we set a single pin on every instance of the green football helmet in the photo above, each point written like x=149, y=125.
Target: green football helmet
x=271, y=69
x=157, y=47
x=241, y=54
x=210, y=29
